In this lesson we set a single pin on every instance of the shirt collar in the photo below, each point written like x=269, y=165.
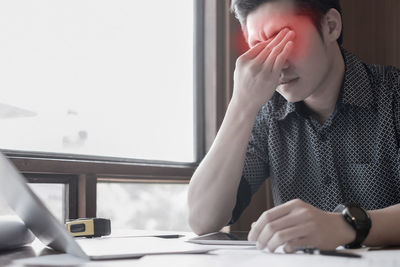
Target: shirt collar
x=356, y=89
x=281, y=108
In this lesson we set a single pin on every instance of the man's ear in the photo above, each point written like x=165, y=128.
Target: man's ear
x=332, y=25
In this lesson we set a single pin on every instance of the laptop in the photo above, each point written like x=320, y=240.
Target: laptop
x=43, y=224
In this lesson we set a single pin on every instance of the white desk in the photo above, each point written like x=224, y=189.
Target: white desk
x=253, y=259
x=223, y=257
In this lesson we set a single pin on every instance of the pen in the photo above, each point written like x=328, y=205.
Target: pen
x=169, y=236
x=337, y=253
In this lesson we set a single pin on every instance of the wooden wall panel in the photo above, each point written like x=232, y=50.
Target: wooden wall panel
x=372, y=30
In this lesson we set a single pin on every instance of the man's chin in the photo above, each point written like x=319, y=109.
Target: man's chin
x=291, y=96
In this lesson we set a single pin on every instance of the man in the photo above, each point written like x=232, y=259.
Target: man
x=324, y=127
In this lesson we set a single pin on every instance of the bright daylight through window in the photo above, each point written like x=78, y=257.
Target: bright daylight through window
x=52, y=195
x=98, y=77
x=151, y=206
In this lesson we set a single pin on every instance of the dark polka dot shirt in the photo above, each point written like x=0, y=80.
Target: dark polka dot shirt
x=352, y=157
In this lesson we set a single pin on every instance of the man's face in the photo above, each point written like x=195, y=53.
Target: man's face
x=308, y=65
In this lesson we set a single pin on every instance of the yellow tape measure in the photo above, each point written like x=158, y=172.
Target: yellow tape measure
x=89, y=227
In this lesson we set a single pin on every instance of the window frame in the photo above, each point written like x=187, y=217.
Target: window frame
x=213, y=73
x=70, y=182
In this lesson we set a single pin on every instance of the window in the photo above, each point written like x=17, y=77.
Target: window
x=80, y=79
x=100, y=87
x=109, y=78
x=146, y=206
x=52, y=196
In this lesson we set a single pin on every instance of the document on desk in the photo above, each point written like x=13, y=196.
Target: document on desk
x=128, y=247
x=103, y=247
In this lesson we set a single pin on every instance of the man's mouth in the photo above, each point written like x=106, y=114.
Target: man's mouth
x=287, y=80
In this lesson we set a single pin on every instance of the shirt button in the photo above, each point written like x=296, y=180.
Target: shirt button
x=327, y=180
x=323, y=137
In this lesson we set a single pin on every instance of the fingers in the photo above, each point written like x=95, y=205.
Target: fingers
x=282, y=57
x=254, y=51
x=289, y=234
x=267, y=217
x=272, y=215
x=299, y=243
x=292, y=219
x=294, y=224
x=266, y=46
x=275, y=47
x=277, y=52
x=263, y=54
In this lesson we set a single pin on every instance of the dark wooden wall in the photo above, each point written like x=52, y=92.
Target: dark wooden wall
x=372, y=32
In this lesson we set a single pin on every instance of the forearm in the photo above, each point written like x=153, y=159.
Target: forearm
x=213, y=187
x=385, y=229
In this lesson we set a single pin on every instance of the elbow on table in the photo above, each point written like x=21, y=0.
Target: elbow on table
x=203, y=225
x=200, y=227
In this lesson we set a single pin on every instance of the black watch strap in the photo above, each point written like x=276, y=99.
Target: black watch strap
x=358, y=219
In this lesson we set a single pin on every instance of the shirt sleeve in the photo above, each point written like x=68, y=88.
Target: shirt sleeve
x=255, y=169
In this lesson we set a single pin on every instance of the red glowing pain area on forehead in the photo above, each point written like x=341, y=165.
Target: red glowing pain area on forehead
x=266, y=29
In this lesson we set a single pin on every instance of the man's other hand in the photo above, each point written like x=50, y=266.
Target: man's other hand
x=298, y=224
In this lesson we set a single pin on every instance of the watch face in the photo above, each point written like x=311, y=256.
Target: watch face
x=357, y=213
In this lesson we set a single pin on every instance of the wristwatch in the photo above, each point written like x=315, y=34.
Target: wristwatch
x=358, y=219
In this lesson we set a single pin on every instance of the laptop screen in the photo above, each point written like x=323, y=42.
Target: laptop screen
x=32, y=211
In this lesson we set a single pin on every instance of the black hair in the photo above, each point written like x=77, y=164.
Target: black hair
x=315, y=9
